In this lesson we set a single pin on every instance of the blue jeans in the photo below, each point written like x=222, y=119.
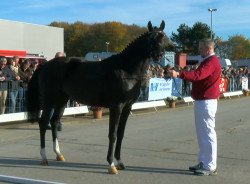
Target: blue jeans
x=12, y=101
x=21, y=99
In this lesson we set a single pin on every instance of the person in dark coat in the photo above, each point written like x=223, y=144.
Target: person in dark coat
x=25, y=74
x=13, y=85
x=5, y=76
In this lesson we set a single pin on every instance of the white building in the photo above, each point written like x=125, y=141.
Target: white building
x=33, y=39
x=242, y=63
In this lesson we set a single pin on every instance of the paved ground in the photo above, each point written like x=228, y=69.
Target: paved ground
x=158, y=148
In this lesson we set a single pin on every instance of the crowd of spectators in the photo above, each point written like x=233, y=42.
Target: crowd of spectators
x=14, y=76
x=16, y=72
x=232, y=75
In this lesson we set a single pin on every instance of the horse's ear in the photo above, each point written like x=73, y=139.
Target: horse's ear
x=150, y=27
x=162, y=26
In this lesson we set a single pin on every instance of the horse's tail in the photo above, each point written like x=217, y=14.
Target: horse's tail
x=33, y=104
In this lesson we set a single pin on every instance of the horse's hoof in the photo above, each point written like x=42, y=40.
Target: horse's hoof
x=120, y=166
x=44, y=162
x=112, y=170
x=60, y=158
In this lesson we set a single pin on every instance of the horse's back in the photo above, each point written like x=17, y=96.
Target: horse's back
x=87, y=82
x=97, y=82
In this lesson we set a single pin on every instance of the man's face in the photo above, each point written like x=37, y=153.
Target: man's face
x=204, y=51
x=2, y=64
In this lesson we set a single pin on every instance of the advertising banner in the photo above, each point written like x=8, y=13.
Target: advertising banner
x=176, y=87
x=159, y=88
x=223, y=85
x=244, y=83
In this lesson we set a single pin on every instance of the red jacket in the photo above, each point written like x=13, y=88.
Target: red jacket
x=205, y=79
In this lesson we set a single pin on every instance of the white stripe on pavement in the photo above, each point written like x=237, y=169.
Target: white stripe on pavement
x=13, y=179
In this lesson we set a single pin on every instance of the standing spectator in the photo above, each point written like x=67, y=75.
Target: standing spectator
x=157, y=70
x=25, y=74
x=14, y=64
x=226, y=74
x=161, y=73
x=205, y=92
x=33, y=66
x=13, y=86
x=238, y=78
x=4, y=77
x=154, y=71
x=187, y=85
x=167, y=69
x=231, y=77
x=16, y=60
x=145, y=84
x=245, y=71
x=234, y=76
x=15, y=67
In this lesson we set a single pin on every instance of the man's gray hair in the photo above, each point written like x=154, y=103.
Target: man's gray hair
x=207, y=42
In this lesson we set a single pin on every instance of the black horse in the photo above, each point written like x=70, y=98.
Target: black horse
x=113, y=83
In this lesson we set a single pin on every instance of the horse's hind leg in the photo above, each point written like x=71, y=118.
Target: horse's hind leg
x=43, y=122
x=120, y=135
x=58, y=112
x=113, y=125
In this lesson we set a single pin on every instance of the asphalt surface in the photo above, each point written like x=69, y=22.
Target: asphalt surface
x=158, y=147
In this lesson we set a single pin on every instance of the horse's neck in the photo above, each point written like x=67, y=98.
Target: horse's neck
x=136, y=57
x=135, y=66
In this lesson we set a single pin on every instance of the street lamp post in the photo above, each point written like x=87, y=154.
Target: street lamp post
x=107, y=43
x=211, y=27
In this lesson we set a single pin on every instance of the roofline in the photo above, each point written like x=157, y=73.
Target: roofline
x=13, y=21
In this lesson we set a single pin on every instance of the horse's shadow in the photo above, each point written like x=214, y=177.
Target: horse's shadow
x=82, y=167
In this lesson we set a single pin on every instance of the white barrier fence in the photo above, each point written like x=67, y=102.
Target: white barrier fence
x=149, y=104
x=84, y=109
x=233, y=93
x=20, y=116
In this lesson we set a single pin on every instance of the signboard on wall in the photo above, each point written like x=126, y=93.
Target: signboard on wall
x=244, y=83
x=223, y=85
x=159, y=88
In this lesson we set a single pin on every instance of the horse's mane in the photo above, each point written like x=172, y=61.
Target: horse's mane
x=132, y=50
x=131, y=46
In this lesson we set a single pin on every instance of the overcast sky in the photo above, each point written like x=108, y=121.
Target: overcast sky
x=232, y=16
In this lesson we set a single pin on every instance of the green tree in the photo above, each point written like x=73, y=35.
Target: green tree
x=187, y=39
x=198, y=31
x=235, y=48
x=80, y=38
x=240, y=47
x=222, y=48
x=182, y=38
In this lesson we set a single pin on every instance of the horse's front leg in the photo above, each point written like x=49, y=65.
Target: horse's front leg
x=56, y=118
x=113, y=125
x=120, y=135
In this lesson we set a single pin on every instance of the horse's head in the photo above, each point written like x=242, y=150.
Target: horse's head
x=156, y=41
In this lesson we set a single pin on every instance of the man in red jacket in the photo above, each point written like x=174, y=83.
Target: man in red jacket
x=205, y=92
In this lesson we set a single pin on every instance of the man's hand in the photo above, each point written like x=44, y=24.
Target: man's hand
x=173, y=73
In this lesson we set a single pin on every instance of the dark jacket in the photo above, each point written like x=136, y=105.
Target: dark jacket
x=24, y=76
x=7, y=73
x=13, y=84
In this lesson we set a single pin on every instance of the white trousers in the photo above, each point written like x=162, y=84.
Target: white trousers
x=204, y=111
